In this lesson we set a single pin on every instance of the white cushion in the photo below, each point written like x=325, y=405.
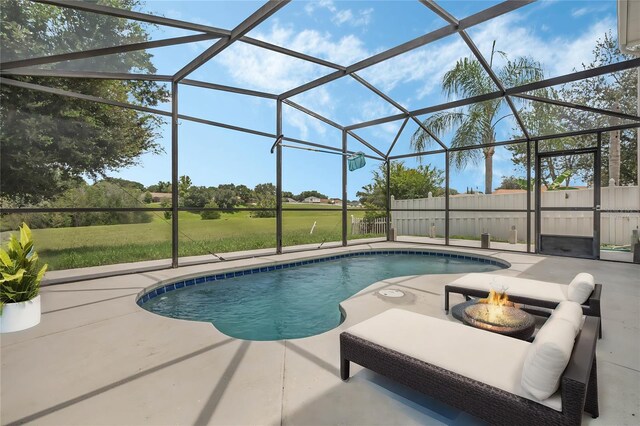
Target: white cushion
x=571, y=312
x=477, y=354
x=547, y=358
x=540, y=290
x=581, y=287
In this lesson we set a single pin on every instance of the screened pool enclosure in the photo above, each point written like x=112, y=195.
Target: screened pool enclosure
x=531, y=218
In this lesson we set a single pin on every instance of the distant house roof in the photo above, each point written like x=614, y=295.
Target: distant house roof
x=311, y=200
x=161, y=195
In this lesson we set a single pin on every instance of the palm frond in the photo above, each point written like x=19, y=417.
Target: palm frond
x=520, y=71
x=439, y=123
x=466, y=79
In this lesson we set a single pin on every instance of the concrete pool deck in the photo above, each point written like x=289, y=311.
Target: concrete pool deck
x=98, y=358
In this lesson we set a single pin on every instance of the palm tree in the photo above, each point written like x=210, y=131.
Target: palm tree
x=475, y=124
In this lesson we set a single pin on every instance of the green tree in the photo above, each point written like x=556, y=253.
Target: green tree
x=245, y=194
x=265, y=194
x=264, y=189
x=475, y=124
x=404, y=183
x=100, y=194
x=197, y=196
x=160, y=187
x=148, y=198
x=166, y=204
x=605, y=92
x=509, y=182
x=210, y=214
x=226, y=198
x=48, y=142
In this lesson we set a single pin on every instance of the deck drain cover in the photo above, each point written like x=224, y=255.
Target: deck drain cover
x=391, y=293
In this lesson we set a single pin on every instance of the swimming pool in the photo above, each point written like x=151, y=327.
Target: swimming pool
x=297, y=299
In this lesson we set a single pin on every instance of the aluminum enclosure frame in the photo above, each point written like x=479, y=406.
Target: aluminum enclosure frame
x=9, y=70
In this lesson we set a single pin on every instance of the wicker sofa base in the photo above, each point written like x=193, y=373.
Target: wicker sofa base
x=578, y=385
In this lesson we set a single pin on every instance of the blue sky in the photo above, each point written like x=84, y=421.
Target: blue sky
x=560, y=34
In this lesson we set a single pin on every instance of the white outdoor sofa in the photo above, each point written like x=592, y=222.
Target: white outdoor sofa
x=544, y=294
x=480, y=372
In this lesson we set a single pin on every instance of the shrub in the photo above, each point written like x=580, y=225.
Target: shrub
x=210, y=214
x=166, y=204
x=20, y=277
x=265, y=202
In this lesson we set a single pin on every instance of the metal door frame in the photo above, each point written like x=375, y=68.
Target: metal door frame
x=595, y=208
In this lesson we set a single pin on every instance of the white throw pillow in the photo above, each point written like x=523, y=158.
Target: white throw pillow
x=547, y=358
x=581, y=287
x=571, y=312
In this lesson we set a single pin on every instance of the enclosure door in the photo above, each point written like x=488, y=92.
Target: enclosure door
x=568, y=203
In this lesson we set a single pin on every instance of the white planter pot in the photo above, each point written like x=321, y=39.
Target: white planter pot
x=20, y=316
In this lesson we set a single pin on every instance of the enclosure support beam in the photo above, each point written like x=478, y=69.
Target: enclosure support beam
x=580, y=107
x=67, y=93
x=478, y=18
x=495, y=80
x=86, y=6
x=528, y=196
x=87, y=74
x=174, y=175
x=278, y=179
x=538, y=180
x=367, y=144
x=398, y=106
x=395, y=140
x=567, y=78
x=312, y=114
x=387, y=166
x=159, y=20
x=344, y=188
x=431, y=4
x=597, y=194
x=84, y=54
x=230, y=89
x=446, y=197
x=256, y=18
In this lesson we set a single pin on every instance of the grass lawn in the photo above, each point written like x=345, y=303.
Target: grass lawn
x=65, y=248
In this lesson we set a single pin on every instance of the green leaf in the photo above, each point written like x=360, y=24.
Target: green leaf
x=4, y=257
x=25, y=235
x=41, y=273
x=14, y=244
x=12, y=277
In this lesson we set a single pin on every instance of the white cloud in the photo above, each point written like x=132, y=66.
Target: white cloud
x=579, y=12
x=427, y=65
x=272, y=72
x=360, y=18
x=342, y=16
x=275, y=73
x=586, y=10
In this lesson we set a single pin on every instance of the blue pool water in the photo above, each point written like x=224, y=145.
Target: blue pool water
x=295, y=302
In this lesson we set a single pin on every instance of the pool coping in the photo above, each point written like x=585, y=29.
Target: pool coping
x=194, y=279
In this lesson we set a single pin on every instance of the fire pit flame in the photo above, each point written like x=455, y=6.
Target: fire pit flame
x=497, y=298
x=495, y=311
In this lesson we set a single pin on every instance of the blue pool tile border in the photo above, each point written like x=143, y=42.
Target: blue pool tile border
x=226, y=275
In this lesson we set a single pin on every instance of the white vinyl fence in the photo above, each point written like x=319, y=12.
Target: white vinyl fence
x=615, y=228
x=359, y=226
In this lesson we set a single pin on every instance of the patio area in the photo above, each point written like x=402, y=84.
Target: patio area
x=151, y=146
x=99, y=358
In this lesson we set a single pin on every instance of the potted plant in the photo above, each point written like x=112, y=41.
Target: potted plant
x=20, y=283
